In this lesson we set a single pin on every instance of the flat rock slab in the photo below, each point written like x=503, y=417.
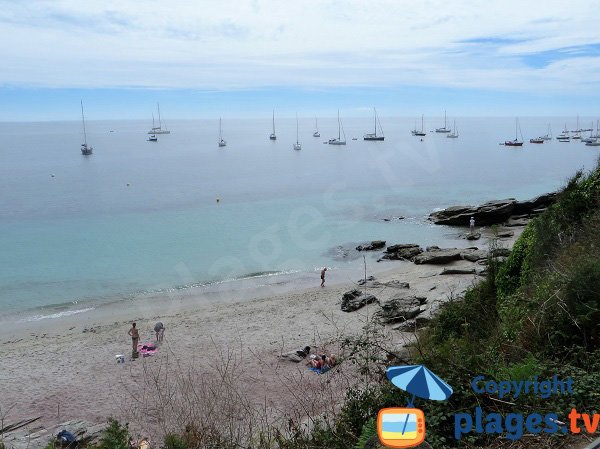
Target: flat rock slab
x=355, y=299
x=402, y=252
x=473, y=236
x=458, y=271
x=373, y=246
x=516, y=222
x=438, y=256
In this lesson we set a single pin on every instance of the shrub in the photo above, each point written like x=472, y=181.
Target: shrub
x=115, y=436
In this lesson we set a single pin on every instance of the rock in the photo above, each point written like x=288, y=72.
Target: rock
x=505, y=234
x=438, y=256
x=473, y=236
x=473, y=255
x=366, y=281
x=501, y=252
x=492, y=212
x=401, y=308
x=291, y=357
x=540, y=202
x=355, y=299
x=373, y=246
x=432, y=248
x=412, y=325
x=516, y=222
x=458, y=271
x=488, y=213
x=402, y=252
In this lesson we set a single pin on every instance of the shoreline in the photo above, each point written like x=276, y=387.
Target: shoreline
x=69, y=364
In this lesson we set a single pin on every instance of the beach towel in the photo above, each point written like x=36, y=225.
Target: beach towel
x=319, y=370
x=147, y=349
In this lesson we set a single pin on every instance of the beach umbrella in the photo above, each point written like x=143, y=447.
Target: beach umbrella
x=419, y=381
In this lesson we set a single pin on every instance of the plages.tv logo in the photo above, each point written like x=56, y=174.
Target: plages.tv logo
x=400, y=427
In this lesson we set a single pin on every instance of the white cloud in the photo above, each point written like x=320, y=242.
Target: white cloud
x=237, y=44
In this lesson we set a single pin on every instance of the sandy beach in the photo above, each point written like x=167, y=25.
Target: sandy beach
x=64, y=369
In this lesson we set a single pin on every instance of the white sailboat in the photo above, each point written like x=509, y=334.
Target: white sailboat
x=416, y=132
x=339, y=140
x=297, y=145
x=577, y=132
x=273, y=136
x=453, y=134
x=373, y=135
x=444, y=129
x=158, y=129
x=564, y=136
x=591, y=137
x=316, y=133
x=86, y=149
x=548, y=135
x=222, y=142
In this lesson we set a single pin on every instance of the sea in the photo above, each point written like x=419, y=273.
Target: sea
x=141, y=218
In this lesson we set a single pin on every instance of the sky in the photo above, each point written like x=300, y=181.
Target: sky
x=242, y=58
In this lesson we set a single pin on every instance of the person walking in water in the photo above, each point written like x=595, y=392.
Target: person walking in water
x=472, y=225
x=135, y=337
x=323, y=276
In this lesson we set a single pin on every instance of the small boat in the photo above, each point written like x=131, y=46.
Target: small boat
x=537, y=140
x=152, y=138
x=444, y=129
x=356, y=138
x=577, y=132
x=597, y=135
x=222, y=143
x=548, y=135
x=453, y=134
x=516, y=142
x=273, y=136
x=373, y=136
x=158, y=129
x=86, y=149
x=316, y=133
x=595, y=143
x=564, y=136
x=416, y=132
x=339, y=140
x=297, y=145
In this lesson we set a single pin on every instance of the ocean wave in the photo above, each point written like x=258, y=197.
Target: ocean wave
x=56, y=315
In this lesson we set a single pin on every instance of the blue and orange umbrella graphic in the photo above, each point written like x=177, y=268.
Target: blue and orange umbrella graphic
x=405, y=427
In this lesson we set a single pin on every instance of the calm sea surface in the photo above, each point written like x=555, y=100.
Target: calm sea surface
x=138, y=217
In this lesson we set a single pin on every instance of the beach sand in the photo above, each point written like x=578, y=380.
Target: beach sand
x=64, y=369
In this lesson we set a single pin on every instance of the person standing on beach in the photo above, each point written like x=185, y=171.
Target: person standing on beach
x=135, y=337
x=159, y=328
x=472, y=225
x=323, y=276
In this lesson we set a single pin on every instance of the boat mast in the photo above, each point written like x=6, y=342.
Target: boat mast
x=422, y=119
x=220, y=136
x=316, y=125
x=159, y=122
x=83, y=120
x=375, y=122
x=273, y=121
x=444, y=119
x=296, y=128
x=339, y=135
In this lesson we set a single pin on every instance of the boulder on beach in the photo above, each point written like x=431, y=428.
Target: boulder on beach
x=373, y=246
x=473, y=236
x=355, y=299
x=401, y=308
x=458, y=271
x=438, y=256
x=406, y=251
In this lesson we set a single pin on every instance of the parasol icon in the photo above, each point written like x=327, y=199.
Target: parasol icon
x=419, y=381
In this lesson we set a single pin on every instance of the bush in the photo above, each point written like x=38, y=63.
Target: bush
x=115, y=436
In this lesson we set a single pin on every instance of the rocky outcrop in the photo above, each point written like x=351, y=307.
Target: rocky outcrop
x=373, y=246
x=39, y=436
x=473, y=236
x=355, y=299
x=438, y=256
x=458, y=271
x=401, y=308
x=405, y=251
x=492, y=212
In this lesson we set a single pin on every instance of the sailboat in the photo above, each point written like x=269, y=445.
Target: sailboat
x=222, y=143
x=339, y=140
x=597, y=135
x=444, y=129
x=85, y=149
x=152, y=138
x=591, y=138
x=577, y=132
x=273, y=136
x=548, y=135
x=316, y=133
x=564, y=136
x=516, y=142
x=453, y=134
x=373, y=135
x=416, y=132
x=158, y=129
x=297, y=145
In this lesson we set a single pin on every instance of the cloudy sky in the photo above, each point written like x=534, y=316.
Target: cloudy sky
x=246, y=56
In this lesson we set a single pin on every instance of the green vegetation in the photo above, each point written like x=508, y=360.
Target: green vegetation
x=536, y=314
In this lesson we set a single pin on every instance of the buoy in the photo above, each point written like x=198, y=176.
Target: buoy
x=128, y=184
x=218, y=200
x=52, y=175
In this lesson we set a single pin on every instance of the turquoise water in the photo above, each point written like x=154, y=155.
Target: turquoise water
x=140, y=217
